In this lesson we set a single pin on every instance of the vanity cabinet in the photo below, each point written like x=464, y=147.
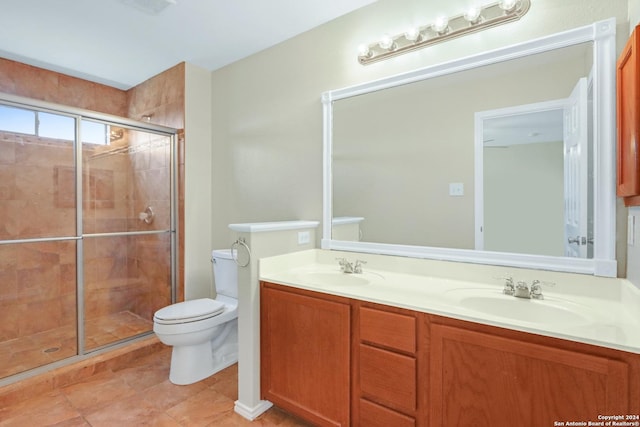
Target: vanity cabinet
x=338, y=361
x=305, y=353
x=386, y=367
x=628, y=121
x=499, y=378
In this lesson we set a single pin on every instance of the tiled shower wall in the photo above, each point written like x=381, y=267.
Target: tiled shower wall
x=37, y=181
x=37, y=290
x=35, y=270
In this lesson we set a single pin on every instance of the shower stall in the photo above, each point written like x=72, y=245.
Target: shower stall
x=87, y=232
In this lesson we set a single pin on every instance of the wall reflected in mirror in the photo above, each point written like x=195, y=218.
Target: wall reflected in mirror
x=404, y=160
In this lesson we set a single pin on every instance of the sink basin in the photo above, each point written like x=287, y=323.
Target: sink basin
x=338, y=278
x=549, y=310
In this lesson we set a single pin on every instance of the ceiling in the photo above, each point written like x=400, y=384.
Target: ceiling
x=122, y=43
x=526, y=128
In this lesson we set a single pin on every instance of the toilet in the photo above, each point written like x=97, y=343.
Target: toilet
x=203, y=332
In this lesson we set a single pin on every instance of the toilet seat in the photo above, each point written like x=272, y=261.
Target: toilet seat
x=188, y=311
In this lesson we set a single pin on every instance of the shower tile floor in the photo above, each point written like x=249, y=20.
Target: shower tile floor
x=138, y=395
x=36, y=350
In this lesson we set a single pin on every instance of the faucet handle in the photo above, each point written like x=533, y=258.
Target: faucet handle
x=508, y=289
x=345, y=265
x=358, y=267
x=536, y=290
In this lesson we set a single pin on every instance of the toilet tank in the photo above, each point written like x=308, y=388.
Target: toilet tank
x=225, y=273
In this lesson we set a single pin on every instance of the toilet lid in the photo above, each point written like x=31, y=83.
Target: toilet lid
x=189, y=311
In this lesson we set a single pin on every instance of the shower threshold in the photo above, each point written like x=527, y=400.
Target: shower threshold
x=22, y=354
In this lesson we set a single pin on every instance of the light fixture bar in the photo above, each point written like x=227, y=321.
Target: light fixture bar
x=484, y=17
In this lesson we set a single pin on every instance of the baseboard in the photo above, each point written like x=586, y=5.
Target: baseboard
x=252, y=413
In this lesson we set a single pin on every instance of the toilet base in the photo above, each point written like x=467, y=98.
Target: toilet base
x=190, y=364
x=193, y=363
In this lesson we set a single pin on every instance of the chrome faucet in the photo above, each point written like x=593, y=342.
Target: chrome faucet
x=345, y=266
x=522, y=290
x=357, y=269
x=508, y=289
x=348, y=267
x=536, y=290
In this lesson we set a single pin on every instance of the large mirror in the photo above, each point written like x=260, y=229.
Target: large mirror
x=498, y=158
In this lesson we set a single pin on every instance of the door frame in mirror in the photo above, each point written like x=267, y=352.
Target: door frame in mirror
x=602, y=35
x=479, y=156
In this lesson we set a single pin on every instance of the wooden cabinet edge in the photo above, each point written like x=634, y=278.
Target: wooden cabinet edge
x=628, y=189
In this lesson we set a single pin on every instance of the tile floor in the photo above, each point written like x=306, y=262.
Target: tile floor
x=21, y=354
x=140, y=395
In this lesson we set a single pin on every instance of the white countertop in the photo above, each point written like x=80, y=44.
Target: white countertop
x=592, y=310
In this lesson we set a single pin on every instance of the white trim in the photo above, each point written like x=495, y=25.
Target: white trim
x=602, y=34
x=478, y=202
x=251, y=413
x=257, y=227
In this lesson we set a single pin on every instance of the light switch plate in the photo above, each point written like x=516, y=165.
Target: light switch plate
x=631, y=230
x=456, y=189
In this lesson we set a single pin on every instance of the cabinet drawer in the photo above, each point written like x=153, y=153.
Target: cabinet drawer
x=372, y=415
x=388, y=378
x=387, y=329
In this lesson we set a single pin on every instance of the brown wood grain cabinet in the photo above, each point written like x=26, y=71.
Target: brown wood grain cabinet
x=305, y=354
x=385, y=366
x=338, y=361
x=484, y=379
x=628, y=121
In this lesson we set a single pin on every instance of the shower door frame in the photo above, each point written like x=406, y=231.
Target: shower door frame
x=79, y=114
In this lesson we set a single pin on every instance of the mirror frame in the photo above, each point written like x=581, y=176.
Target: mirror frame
x=602, y=35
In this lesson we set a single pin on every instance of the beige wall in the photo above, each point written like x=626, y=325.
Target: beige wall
x=634, y=14
x=267, y=134
x=524, y=198
x=197, y=201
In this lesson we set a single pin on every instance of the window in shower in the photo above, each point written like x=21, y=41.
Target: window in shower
x=39, y=123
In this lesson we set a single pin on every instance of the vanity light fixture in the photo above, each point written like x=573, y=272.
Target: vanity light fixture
x=387, y=43
x=472, y=15
x=476, y=18
x=441, y=25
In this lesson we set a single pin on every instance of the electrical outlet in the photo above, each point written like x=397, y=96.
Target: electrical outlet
x=304, y=237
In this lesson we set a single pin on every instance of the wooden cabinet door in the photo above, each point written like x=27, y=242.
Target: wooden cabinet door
x=479, y=379
x=305, y=342
x=628, y=122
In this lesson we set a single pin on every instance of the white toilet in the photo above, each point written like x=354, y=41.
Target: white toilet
x=203, y=332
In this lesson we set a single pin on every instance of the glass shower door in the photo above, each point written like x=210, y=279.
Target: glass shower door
x=126, y=219
x=38, y=238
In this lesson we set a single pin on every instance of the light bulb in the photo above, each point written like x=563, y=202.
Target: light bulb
x=472, y=14
x=386, y=42
x=440, y=25
x=412, y=34
x=508, y=5
x=363, y=50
